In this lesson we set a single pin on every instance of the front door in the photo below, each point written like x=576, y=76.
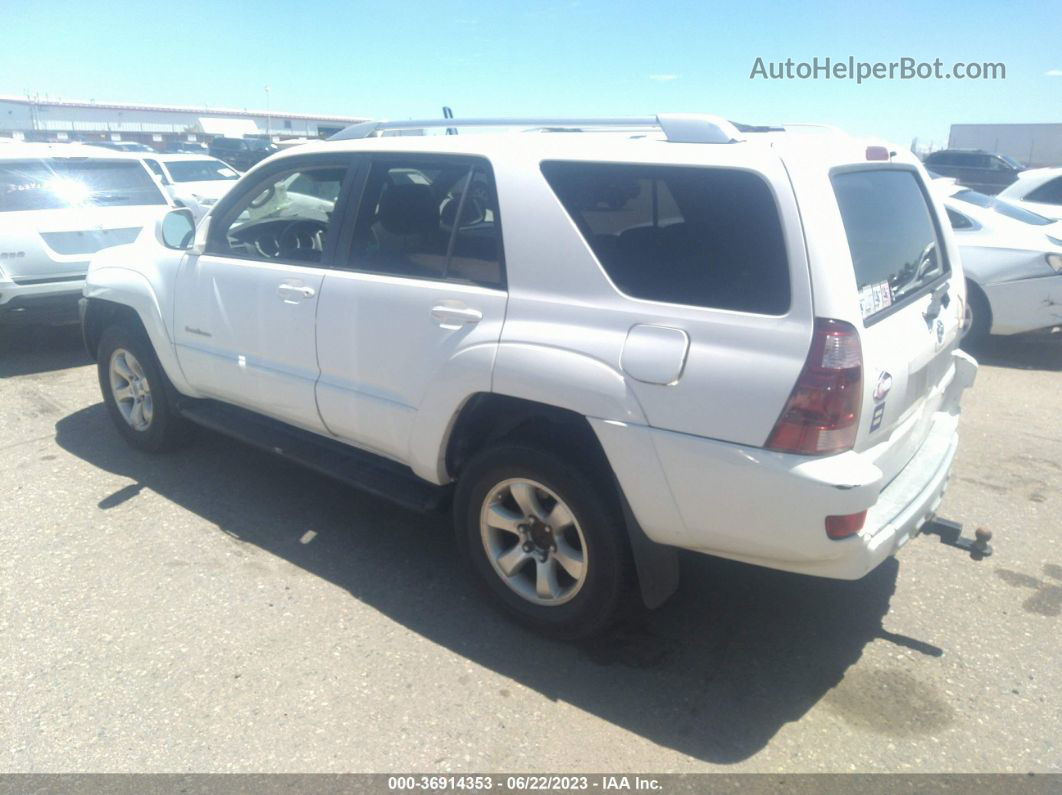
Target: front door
x=245, y=309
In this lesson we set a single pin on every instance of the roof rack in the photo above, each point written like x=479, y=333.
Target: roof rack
x=677, y=127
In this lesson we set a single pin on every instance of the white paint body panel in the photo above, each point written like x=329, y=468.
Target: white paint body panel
x=383, y=358
x=239, y=340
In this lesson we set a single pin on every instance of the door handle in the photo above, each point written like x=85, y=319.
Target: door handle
x=295, y=292
x=453, y=316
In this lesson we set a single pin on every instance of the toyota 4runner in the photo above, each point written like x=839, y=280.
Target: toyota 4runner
x=595, y=341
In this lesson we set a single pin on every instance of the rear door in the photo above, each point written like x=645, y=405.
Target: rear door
x=245, y=309
x=410, y=317
x=909, y=307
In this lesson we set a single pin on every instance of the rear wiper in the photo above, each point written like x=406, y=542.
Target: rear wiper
x=111, y=198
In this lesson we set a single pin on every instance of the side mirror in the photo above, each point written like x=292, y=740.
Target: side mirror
x=176, y=229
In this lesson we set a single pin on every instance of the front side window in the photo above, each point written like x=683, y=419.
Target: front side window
x=891, y=235
x=433, y=218
x=273, y=221
x=200, y=170
x=59, y=183
x=707, y=237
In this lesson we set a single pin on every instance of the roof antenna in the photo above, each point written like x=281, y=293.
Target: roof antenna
x=449, y=114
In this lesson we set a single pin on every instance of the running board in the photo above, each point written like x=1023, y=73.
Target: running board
x=371, y=473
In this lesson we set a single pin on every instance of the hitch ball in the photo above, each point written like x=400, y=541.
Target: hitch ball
x=980, y=547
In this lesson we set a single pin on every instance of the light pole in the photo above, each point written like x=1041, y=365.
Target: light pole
x=269, y=135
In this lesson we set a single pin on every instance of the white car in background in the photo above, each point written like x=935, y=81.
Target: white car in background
x=193, y=181
x=59, y=205
x=1012, y=259
x=1038, y=190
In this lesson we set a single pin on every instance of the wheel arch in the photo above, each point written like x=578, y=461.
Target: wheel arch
x=489, y=418
x=114, y=294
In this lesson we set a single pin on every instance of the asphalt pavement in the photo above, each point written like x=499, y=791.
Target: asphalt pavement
x=221, y=610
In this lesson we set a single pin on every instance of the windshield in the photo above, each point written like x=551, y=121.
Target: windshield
x=891, y=235
x=1002, y=207
x=199, y=170
x=54, y=184
x=1012, y=162
x=257, y=143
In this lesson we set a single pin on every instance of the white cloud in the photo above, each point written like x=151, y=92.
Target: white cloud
x=663, y=78
x=1053, y=73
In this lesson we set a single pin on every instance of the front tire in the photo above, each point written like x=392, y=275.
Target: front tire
x=546, y=541
x=136, y=391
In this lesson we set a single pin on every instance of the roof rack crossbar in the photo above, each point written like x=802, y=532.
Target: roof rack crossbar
x=678, y=128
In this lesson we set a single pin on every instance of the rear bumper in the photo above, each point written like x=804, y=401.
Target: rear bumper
x=769, y=509
x=1025, y=304
x=54, y=302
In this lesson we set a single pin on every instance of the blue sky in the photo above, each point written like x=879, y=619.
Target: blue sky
x=396, y=59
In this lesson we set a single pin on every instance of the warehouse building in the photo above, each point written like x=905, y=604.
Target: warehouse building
x=44, y=119
x=1035, y=145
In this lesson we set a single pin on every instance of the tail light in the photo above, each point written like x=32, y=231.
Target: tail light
x=822, y=413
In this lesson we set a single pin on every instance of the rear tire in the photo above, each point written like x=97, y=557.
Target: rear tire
x=558, y=533
x=136, y=392
x=979, y=316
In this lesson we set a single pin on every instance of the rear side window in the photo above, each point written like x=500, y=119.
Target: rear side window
x=958, y=220
x=706, y=237
x=54, y=184
x=1048, y=193
x=891, y=235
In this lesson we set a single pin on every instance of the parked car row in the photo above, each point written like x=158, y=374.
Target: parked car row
x=1012, y=258
x=62, y=203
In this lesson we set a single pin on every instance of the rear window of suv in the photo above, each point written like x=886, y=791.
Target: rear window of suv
x=54, y=184
x=707, y=237
x=891, y=235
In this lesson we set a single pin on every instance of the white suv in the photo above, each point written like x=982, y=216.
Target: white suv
x=597, y=340
x=59, y=205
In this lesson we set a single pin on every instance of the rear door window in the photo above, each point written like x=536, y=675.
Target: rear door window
x=429, y=218
x=54, y=184
x=891, y=235
x=707, y=237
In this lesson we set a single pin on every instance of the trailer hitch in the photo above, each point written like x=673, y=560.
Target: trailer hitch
x=951, y=534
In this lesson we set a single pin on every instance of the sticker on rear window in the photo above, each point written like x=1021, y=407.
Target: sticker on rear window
x=875, y=297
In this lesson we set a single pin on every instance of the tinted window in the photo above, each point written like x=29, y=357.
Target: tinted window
x=157, y=170
x=1048, y=193
x=274, y=222
x=431, y=218
x=958, y=220
x=1002, y=207
x=200, y=170
x=890, y=233
x=51, y=184
x=698, y=236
